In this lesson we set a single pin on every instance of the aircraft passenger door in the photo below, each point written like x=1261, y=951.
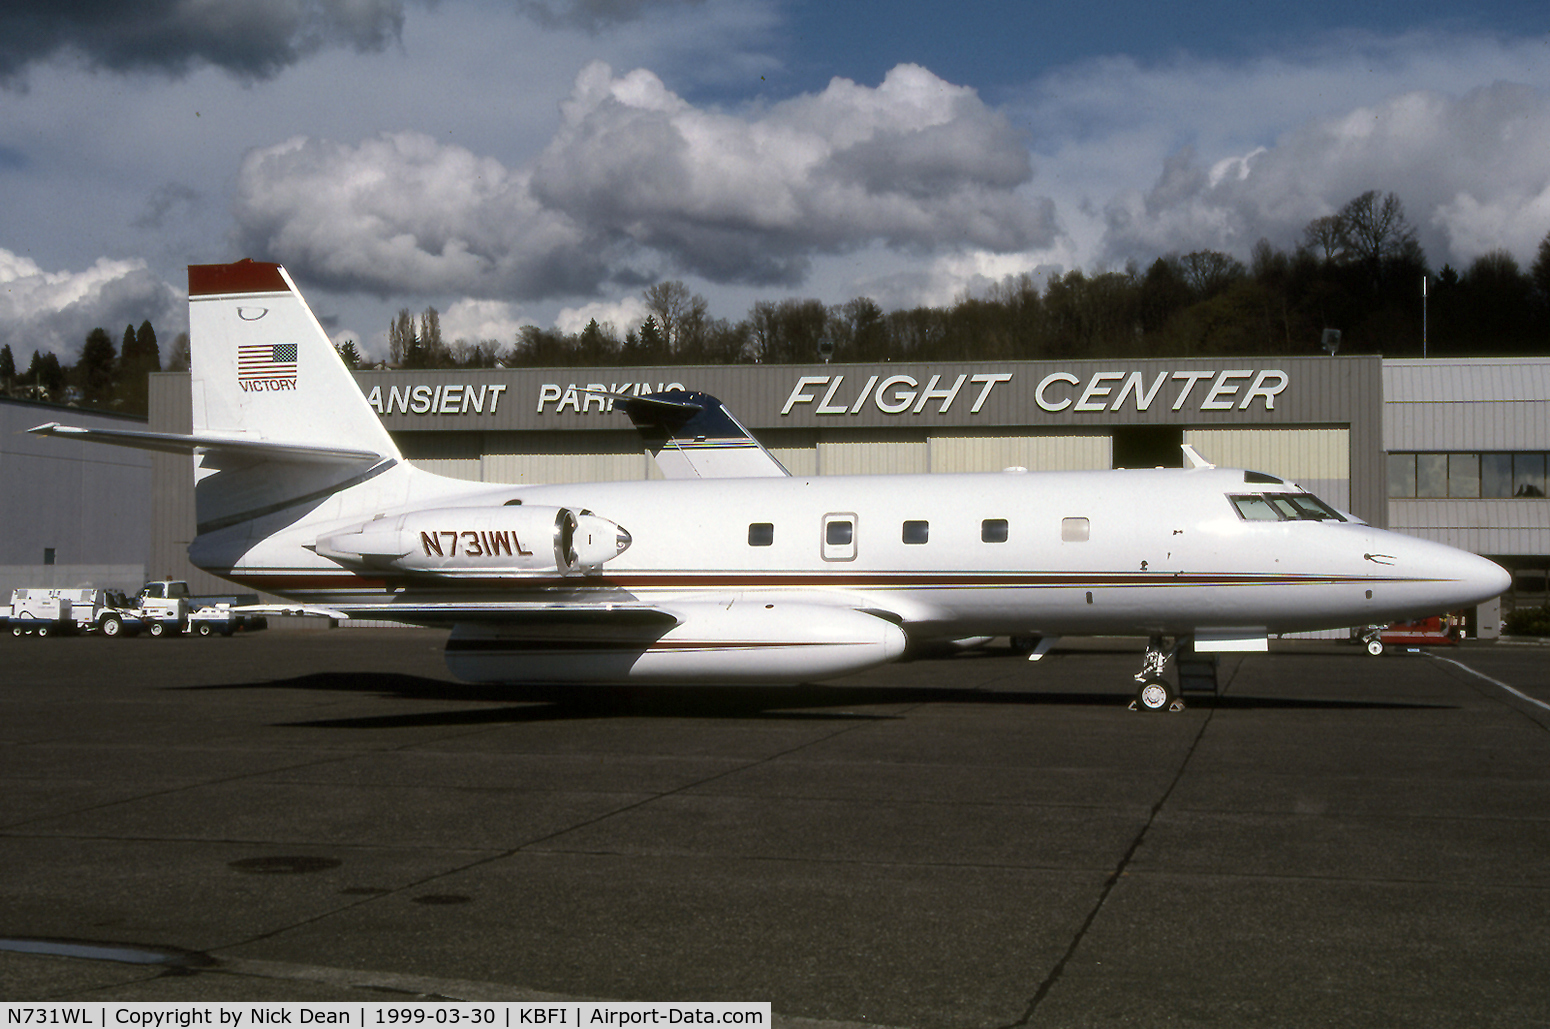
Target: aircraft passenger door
x=839, y=537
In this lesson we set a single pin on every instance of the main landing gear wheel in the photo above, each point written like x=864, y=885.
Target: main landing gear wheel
x=1158, y=695
x=1375, y=647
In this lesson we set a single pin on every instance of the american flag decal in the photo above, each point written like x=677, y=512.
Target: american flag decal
x=266, y=366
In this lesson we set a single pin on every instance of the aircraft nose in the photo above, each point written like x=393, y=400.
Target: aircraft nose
x=1461, y=579
x=1493, y=578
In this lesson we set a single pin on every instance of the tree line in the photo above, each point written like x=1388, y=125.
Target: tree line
x=1360, y=272
x=104, y=377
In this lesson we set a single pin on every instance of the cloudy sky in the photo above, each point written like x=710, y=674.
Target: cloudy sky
x=541, y=161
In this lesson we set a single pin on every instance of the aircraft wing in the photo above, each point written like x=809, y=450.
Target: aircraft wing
x=579, y=619
x=188, y=443
x=693, y=436
x=710, y=638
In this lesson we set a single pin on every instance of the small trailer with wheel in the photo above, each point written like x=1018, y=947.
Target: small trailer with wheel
x=225, y=615
x=65, y=611
x=168, y=608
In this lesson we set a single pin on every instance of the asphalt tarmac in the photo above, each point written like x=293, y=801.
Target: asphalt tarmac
x=974, y=842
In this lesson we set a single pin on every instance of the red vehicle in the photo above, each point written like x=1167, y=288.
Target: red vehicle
x=1441, y=631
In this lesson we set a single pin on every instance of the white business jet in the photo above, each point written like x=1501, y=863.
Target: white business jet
x=731, y=570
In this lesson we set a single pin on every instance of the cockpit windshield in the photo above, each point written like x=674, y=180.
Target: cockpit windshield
x=1283, y=507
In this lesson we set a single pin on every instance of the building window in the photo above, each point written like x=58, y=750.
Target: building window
x=1401, y=475
x=1496, y=475
x=993, y=530
x=917, y=532
x=1467, y=476
x=1528, y=475
x=48, y=555
x=761, y=534
x=1431, y=475
x=1463, y=475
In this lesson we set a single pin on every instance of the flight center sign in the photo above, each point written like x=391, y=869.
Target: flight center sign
x=1102, y=391
x=1187, y=391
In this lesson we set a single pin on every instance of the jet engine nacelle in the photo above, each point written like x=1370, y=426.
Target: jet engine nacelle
x=746, y=642
x=478, y=541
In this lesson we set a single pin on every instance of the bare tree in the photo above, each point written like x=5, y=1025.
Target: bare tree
x=1539, y=273
x=435, y=353
x=1325, y=237
x=1210, y=272
x=680, y=316
x=1376, y=230
x=401, y=338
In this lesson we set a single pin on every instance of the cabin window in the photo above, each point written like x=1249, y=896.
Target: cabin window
x=1075, y=530
x=839, y=537
x=1255, y=509
x=993, y=530
x=916, y=532
x=761, y=534
x=1284, y=507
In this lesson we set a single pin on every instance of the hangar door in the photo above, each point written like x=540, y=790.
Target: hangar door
x=1318, y=460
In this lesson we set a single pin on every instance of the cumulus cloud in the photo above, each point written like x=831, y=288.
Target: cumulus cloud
x=479, y=320
x=1473, y=172
x=252, y=39
x=403, y=212
x=638, y=178
x=594, y=15
x=915, y=162
x=53, y=311
x=624, y=315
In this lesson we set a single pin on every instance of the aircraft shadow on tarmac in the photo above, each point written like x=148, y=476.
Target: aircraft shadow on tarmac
x=807, y=702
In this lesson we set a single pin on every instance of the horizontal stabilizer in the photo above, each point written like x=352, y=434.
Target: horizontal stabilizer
x=181, y=443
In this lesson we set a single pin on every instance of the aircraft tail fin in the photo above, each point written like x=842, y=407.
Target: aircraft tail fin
x=693, y=436
x=279, y=423
x=263, y=369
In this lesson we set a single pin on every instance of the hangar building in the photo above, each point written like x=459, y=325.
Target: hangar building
x=70, y=513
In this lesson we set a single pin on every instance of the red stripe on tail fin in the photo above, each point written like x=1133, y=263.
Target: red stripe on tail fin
x=246, y=276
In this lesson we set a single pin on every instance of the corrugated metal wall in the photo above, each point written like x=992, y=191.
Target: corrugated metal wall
x=898, y=453
x=457, y=455
x=525, y=457
x=1501, y=527
x=994, y=452
x=1462, y=405
x=1457, y=405
x=86, y=502
x=1318, y=460
x=517, y=457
